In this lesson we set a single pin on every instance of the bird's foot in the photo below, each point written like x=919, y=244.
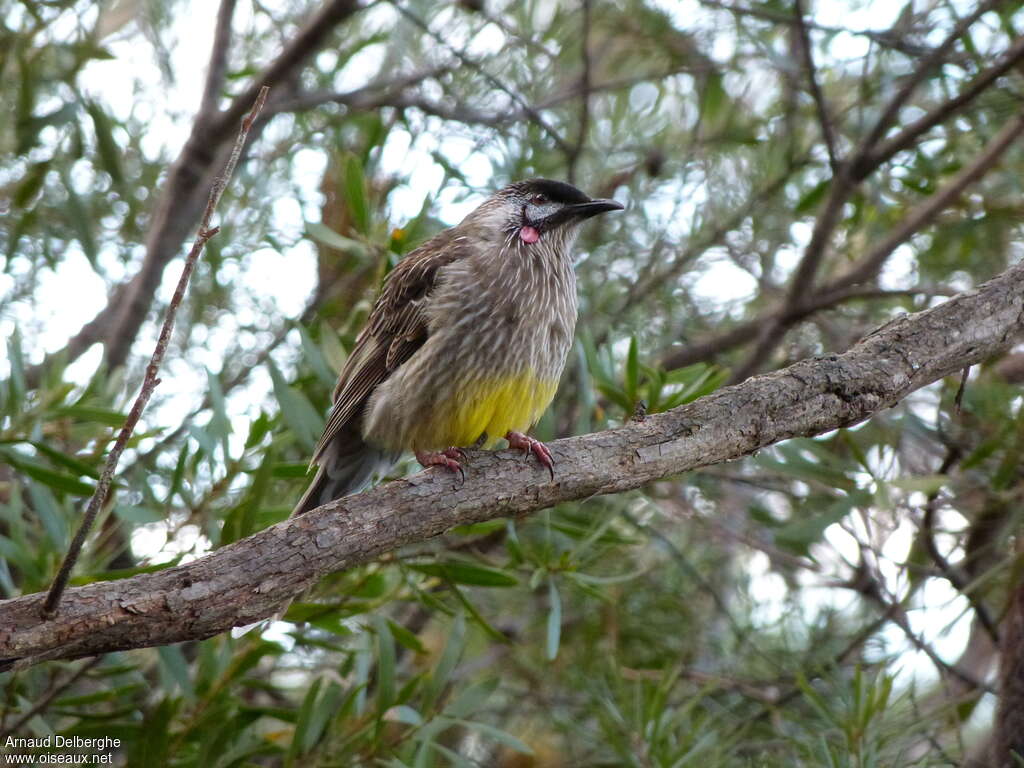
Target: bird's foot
x=449, y=457
x=534, y=446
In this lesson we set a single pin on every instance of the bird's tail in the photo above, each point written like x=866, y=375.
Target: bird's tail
x=347, y=465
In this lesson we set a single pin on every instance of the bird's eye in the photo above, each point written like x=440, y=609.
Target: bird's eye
x=538, y=200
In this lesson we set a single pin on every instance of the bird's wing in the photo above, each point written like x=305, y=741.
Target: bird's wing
x=395, y=329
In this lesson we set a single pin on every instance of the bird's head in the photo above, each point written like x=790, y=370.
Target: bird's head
x=539, y=212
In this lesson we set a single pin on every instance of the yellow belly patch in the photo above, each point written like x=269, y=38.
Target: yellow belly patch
x=494, y=405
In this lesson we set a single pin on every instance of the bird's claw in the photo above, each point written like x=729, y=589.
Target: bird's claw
x=534, y=446
x=449, y=458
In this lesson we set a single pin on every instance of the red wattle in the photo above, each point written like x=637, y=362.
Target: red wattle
x=529, y=234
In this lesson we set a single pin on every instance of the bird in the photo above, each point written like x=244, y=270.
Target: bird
x=464, y=345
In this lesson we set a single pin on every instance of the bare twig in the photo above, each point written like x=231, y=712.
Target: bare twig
x=954, y=575
x=930, y=208
x=307, y=41
x=150, y=382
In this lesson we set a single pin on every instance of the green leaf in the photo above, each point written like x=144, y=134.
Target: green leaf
x=30, y=184
x=43, y=474
x=290, y=469
x=385, y=665
x=259, y=427
x=132, y=513
x=219, y=425
x=467, y=573
x=313, y=355
x=16, y=382
x=324, y=234
x=355, y=194
x=302, y=722
x=109, y=152
x=241, y=521
x=714, y=100
x=324, y=710
x=81, y=219
x=443, y=671
x=406, y=638
x=798, y=536
x=298, y=412
x=812, y=199
x=923, y=483
x=403, y=713
x=472, y=699
x=90, y=414
x=68, y=462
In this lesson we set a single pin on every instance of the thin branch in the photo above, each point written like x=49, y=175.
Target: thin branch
x=466, y=61
x=930, y=208
x=725, y=224
x=869, y=266
x=882, y=38
x=150, y=382
x=252, y=578
x=924, y=68
x=307, y=41
x=827, y=131
x=885, y=151
x=872, y=588
x=385, y=93
x=739, y=334
x=954, y=575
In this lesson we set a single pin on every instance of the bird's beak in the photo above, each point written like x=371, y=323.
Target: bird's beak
x=592, y=208
x=580, y=211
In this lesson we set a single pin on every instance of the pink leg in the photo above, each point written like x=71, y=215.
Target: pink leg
x=534, y=446
x=449, y=458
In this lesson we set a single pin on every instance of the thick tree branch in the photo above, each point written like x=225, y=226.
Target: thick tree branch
x=252, y=578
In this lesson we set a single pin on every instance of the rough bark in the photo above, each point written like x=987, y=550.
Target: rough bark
x=252, y=578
